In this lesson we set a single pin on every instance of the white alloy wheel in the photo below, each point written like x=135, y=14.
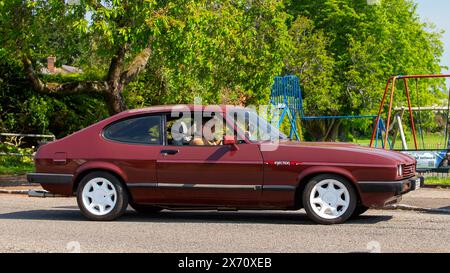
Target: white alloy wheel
x=329, y=199
x=99, y=196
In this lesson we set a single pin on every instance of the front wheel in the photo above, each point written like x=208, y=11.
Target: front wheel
x=329, y=199
x=101, y=196
x=360, y=209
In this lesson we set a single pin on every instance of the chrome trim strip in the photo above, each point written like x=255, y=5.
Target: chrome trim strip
x=306, y=163
x=209, y=186
x=209, y=162
x=375, y=182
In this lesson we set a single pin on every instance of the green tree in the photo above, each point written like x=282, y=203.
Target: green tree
x=227, y=51
x=310, y=60
x=197, y=47
x=117, y=34
x=369, y=43
x=144, y=52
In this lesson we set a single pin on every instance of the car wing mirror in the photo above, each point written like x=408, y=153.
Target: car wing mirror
x=230, y=141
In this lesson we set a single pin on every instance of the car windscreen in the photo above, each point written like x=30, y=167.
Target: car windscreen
x=255, y=127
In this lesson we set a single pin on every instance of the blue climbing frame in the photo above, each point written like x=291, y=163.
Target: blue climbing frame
x=286, y=95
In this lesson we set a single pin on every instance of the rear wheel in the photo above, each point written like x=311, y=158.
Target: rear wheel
x=101, y=196
x=329, y=199
x=145, y=209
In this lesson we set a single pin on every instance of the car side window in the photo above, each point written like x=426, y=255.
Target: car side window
x=139, y=130
x=207, y=131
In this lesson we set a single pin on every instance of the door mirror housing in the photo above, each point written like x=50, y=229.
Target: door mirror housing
x=229, y=140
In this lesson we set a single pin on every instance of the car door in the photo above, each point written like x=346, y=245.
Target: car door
x=133, y=145
x=222, y=175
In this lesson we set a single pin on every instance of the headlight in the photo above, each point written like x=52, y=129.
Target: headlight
x=399, y=171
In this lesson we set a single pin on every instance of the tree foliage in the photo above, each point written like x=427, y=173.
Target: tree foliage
x=365, y=45
x=137, y=53
x=227, y=51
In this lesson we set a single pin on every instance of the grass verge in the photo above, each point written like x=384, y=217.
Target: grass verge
x=437, y=180
x=16, y=169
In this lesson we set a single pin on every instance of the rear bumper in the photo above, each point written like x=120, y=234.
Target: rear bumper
x=50, y=178
x=396, y=187
x=53, y=182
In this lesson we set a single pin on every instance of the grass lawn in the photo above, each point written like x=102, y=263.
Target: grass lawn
x=430, y=141
x=19, y=162
x=437, y=180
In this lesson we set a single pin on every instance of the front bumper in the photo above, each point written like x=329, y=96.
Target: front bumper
x=395, y=187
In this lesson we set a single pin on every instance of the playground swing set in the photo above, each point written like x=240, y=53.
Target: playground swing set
x=286, y=98
x=428, y=158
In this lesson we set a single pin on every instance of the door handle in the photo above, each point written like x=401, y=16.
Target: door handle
x=169, y=152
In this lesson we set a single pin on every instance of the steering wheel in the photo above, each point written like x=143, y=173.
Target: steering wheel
x=182, y=134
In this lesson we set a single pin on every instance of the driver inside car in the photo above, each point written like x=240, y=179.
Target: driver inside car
x=210, y=136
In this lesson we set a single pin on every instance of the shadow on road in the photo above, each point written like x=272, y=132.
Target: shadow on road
x=70, y=213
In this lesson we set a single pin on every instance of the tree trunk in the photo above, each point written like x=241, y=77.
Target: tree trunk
x=334, y=135
x=111, y=89
x=114, y=98
x=118, y=79
x=333, y=130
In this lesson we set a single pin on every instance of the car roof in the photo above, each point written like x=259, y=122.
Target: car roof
x=180, y=107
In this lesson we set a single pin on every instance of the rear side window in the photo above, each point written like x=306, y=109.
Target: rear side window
x=140, y=130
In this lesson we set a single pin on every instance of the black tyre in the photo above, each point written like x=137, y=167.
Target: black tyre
x=360, y=209
x=329, y=199
x=145, y=209
x=101, y=196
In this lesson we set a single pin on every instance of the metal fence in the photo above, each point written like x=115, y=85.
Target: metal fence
x=16, y=140
x=435, y=174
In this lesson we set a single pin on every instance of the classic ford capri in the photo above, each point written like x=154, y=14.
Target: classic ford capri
x=216, y=157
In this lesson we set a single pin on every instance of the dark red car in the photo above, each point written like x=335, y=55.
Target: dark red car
x=178, y=157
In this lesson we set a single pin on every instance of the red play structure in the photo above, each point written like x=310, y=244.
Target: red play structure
x=377, y=131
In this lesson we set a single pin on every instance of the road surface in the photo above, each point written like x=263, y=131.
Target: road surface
x=55, y=225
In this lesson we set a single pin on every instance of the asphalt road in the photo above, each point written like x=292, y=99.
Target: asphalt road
x=56, y=225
